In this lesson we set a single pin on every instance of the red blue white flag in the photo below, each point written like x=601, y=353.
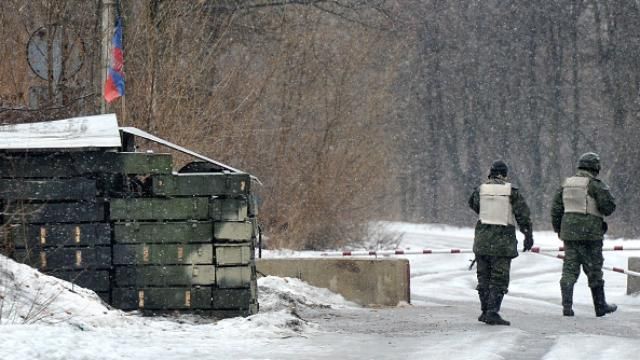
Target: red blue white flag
x=114, y=86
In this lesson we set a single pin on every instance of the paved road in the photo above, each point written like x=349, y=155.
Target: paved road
x=417, y=332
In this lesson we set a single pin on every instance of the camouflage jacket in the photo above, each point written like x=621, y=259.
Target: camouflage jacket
x=498, y=240
x=583, y=227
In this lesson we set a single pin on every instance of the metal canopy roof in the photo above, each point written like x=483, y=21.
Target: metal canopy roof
x=99, y=131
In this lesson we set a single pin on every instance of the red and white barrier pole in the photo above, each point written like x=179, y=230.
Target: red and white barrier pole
x=535, y=249
x=397, y=252
x=610, y=268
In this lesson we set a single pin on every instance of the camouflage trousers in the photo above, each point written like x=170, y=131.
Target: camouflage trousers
x=587, y=254
x=493, y=272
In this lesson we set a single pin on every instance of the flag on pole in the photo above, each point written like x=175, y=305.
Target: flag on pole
x=114, y=86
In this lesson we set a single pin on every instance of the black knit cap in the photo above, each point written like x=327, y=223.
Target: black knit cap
x=498, y=168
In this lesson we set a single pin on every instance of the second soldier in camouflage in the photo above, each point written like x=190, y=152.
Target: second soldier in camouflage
x=577, y=215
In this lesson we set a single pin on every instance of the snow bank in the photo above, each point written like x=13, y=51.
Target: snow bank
x=28, y=296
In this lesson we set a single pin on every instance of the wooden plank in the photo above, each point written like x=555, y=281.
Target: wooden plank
x=165, y=276
x=174, y=298
x=201, y=184
x=228, y=209
x=162, y=254
x=19, y=213
x=66, y=258
x=56, y=235
x=159, y=209
x=154, y=232
x=67, y=189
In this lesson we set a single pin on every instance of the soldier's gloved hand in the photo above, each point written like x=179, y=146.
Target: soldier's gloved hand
x=528, y=241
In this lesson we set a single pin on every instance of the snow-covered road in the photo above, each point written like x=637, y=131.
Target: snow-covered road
x=301, y=322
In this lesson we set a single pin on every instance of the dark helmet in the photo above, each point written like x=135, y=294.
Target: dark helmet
x=498, y=168
x=589, y=161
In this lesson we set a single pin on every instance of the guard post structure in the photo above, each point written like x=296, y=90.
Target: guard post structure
x=125, y=224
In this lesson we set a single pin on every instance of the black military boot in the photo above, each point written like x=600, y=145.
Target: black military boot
x=599, y=302
x=484, y=298
x=493, y=308
x=567, y=299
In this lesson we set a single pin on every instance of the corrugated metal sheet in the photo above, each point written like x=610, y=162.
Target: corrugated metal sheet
x=81, y=132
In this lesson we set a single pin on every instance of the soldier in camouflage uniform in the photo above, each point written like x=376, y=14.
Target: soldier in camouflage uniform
x=577, y=215
x=497, y=202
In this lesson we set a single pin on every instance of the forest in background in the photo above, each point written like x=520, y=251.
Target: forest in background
x=355, y=110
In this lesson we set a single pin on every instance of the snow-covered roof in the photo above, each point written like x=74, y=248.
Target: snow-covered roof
x=97, y=131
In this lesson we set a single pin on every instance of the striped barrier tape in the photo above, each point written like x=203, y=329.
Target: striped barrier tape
x=610, y=268
x=535, y=249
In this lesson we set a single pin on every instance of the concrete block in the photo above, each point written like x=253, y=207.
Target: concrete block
x=363, y=281
x=633, y=282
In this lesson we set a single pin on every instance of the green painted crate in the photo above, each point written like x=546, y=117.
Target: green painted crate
x=162, y=254
x=159, y=209
x=234, y=298
x=200, y=184
x=154, y=232
x=164, y=275
x=66, y=258
x=175, y=298
x=235, y=276
x=55, y=235
x=75, y=212
x=96, y=280
x=66, y=189
x=74, y=164
x=228, y=209
x=233, y=231
x=234, y=254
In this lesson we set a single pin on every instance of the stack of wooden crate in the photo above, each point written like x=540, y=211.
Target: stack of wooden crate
x=55, y=207
x=125, y=226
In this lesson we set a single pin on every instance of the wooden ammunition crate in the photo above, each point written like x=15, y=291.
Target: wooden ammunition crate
x=233, y=254
x=200, y=184
x=74, y=212
x=162, y=254
x=96, y=280
x=49, y=189
x=66, y=258
x=76, y=164
x=159, y=209
x=174, y=298
x=234, y=298
x=164, y=275
x=163, y=232
x=235, y=276
x=228, y=209
x=56, y=235
x=233, y=231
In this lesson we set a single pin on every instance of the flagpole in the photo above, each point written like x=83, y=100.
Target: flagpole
x=107, y=20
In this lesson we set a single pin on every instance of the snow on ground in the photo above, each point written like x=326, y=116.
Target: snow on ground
x=47, y=318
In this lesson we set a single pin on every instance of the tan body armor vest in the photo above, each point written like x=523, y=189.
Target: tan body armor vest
x=576, y=199
x=495, y=204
